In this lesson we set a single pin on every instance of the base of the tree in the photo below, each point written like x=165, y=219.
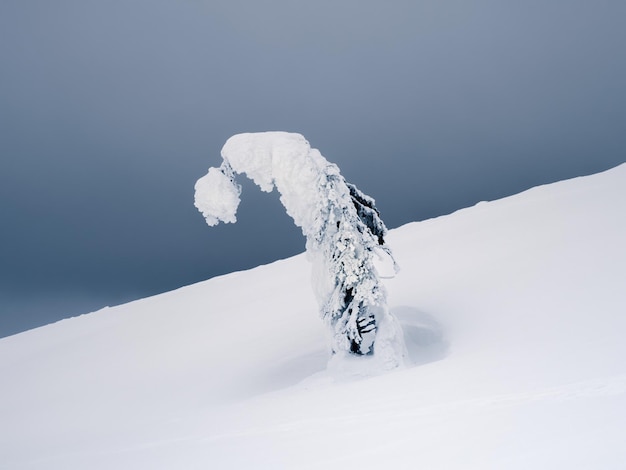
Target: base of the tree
x=387, y=353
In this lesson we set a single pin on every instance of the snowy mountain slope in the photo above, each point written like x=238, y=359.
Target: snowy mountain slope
x=514, y=312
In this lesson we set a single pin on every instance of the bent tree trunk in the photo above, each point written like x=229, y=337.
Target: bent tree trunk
x=342, y=227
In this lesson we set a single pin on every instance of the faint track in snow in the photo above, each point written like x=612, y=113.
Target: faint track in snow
x=387, y=413
x=594, y=388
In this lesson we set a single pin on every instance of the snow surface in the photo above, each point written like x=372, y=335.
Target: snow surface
x=514, y=313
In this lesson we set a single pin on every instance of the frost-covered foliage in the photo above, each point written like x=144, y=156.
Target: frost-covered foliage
x=342, y=227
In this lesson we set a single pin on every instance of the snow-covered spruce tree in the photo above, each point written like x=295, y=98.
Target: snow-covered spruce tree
x=343, y=230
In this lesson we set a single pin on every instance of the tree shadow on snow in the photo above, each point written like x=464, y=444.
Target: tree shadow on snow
x=294, y=370
x=424, y=336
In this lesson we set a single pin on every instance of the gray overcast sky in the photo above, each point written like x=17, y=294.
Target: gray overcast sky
x=110, y=111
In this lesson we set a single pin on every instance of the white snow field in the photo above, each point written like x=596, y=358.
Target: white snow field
x=514, y=314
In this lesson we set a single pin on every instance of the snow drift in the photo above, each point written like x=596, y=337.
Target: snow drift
x=513, y=312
